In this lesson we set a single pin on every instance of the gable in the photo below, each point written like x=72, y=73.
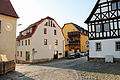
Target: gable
x=6, y=8
x=103, y=10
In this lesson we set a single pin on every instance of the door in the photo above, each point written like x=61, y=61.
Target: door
x=56, y=55
x=66, y=53
x=27, y=56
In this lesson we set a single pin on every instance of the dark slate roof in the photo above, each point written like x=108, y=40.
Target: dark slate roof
x=6, y=8
x=76, y=26
x=93, y=11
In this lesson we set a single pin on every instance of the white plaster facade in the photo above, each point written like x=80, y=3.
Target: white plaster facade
x=38, y=51
x=108, y=47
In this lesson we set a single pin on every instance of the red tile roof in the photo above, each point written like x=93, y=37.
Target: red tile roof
x=6, y=8
x=34, y=27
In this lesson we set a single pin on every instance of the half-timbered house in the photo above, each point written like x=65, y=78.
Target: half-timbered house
x=104, y=31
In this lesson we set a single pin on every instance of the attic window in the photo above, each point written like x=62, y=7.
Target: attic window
x=114, y=6
x=54, y=25
x=46, y=23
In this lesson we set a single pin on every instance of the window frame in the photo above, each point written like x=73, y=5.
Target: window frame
x=100, y=28
x=20, y=53
x=55, y=32
x=116, y=46
x=104, y=27
x=26, y=42
x=97, y=46
x=45, y=30
x=56, y=42
x=118, y=5
x=45, y=42
x=112, y=6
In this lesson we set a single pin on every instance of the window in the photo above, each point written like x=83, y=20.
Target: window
x=0, y=26
x=106, y=27
x=21, y=54
x=51, y=23
x=117, y=46
x=114, y=7
x=45, y=41
x=28, y=41
x=45, y=30
x=28, y=31
x=56, y=42
x=98, y=28
x=25, y=42
x=22, y=43
x=17, y=53
x=46, y=24
x=18, y=43
x=55, y=32
x=119, y=5
x=67, y=39
x=98, y=46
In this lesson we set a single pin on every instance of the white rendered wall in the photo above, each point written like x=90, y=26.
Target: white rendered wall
x=108, y=48
x=47, y=51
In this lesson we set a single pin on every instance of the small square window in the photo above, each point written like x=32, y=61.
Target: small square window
x=98, y=46
x=117, y=46
x=98, y=28
x=106, y=27
x=45, y=41
x=114, y=7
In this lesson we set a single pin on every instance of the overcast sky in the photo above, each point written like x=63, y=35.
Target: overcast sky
x=63, y=11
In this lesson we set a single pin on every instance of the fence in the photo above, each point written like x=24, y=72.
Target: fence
x=6, y=67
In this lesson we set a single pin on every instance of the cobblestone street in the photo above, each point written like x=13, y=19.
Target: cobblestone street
x=74, y=69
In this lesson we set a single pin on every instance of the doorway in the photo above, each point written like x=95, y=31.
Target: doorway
x=27, y=56
x=56, y=55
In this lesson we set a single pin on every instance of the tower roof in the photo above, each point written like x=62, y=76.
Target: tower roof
x=7, y=9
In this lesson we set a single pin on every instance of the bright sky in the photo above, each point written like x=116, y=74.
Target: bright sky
x=63, y=11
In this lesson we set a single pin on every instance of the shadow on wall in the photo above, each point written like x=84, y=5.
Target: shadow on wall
x=14, y=76
x=84, y=65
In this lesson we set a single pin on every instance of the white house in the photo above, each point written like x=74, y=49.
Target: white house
x=41, y=41
x=104, y=31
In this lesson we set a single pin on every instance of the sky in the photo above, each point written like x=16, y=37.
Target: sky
x=63, y=11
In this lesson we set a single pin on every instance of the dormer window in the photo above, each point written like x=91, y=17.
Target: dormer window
x=46, y=24
x=28, y=31
x=98, y=28
x=114, y=6
x=106, y=27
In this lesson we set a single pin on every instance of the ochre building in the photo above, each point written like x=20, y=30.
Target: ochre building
x=76, y=38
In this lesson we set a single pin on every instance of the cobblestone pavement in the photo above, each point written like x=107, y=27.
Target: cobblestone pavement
x=73, y=69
